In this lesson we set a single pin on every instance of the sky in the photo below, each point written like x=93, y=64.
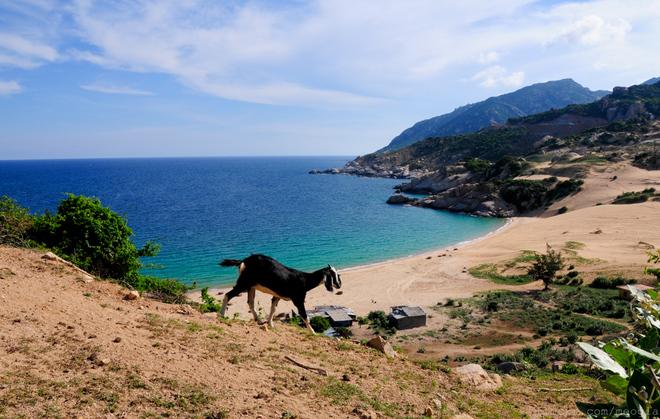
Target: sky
x=135, y=78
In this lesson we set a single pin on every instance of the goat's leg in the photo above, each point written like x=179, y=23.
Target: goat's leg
x=251, y=293
x=300, y=305
x=231, y=294
x=273, y=307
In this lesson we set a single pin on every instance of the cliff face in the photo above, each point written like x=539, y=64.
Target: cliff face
x=497, y=110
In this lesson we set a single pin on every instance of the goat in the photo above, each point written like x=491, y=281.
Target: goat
x=263, y=273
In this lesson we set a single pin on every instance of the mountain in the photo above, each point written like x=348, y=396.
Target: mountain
x=516, y=138
x=652, y=81
x=497, y=110
x=479, y=172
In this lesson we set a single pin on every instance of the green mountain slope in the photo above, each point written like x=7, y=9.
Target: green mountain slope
x=497, y=110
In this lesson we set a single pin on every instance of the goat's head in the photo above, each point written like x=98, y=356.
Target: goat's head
x=332, y=278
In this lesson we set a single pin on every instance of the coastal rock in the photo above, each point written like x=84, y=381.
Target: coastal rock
x=477, y=199
x=474, y=375
x=383, y=346
x=399, y=199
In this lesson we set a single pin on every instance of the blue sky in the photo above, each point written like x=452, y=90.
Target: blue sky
x=339, y=77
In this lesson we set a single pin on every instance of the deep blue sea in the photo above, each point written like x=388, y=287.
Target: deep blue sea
x=204, y=209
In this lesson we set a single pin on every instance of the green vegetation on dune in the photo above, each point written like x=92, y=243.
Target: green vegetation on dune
x=490, y=271
x=636, y=197
x=91, y=236
x=544, y=314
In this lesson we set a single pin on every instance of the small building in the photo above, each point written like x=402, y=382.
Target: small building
x=406, y=317
x=624, y=292
x=338, y=316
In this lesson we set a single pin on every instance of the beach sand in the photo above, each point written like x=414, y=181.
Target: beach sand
x=617, y=235
x=427, y=279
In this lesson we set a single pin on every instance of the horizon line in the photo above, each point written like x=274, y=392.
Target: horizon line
x=180, y=157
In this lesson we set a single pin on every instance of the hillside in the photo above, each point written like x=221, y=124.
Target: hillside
x=488, y=172
x=497, y=110
x=77, y=347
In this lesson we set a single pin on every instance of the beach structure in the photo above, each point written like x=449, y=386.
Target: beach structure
x=339, y=316
x=624, y=292
x=407, y=317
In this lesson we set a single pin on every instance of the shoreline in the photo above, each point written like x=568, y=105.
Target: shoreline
x=510, y=221
x=432, y=277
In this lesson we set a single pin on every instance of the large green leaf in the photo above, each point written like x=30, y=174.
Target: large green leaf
x=641, y=352
x=649, y=341
x=616, y=384
x=624, y=357
x=602, y=359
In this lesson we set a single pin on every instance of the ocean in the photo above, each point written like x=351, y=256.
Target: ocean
x=201, y=210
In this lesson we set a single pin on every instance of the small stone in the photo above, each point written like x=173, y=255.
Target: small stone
x=104, y=361
x=91, y=337
x=117, y=339
x=261, y=395
x=383, y=346
x=50, y=256
x=428, y=412
x=437, y=403
x=132, y=295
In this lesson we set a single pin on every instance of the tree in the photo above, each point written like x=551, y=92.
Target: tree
x=546, y=266
x=93, y=237
x=15, y=223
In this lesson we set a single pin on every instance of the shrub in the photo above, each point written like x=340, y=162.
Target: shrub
x=319, y=324
x=379, y=323
x=569, y=368
x=634, y=197
x=344, y=332
x=209, y=304
x=15, y=223
x=545, y=266
x=603, y=282
x=93, y=237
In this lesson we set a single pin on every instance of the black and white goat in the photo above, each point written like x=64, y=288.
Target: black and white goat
x=263, y=273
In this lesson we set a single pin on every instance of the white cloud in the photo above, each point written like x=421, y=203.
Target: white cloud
x=9, y=88
x=342, y=52
x=498, y=76
x=593, y=30
x=488, y=57
x=115, y=90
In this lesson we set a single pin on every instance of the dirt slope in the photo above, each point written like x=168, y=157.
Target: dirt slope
x=71, y=347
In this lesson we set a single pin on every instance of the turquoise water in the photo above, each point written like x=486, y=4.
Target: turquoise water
x=204, y=209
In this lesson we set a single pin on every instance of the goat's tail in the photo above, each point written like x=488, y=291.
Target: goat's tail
x=231, y=262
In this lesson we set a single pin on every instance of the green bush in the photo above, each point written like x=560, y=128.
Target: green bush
x=635, y=197
x=15, y=223
x=209, y=304
x=379, y=323
x=93, y=237
x=319, y=324
x=603, y=282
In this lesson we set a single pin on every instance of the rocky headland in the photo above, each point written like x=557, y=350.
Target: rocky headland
x=526, y=165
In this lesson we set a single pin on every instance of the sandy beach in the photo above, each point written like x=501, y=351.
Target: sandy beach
x=615, y=238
